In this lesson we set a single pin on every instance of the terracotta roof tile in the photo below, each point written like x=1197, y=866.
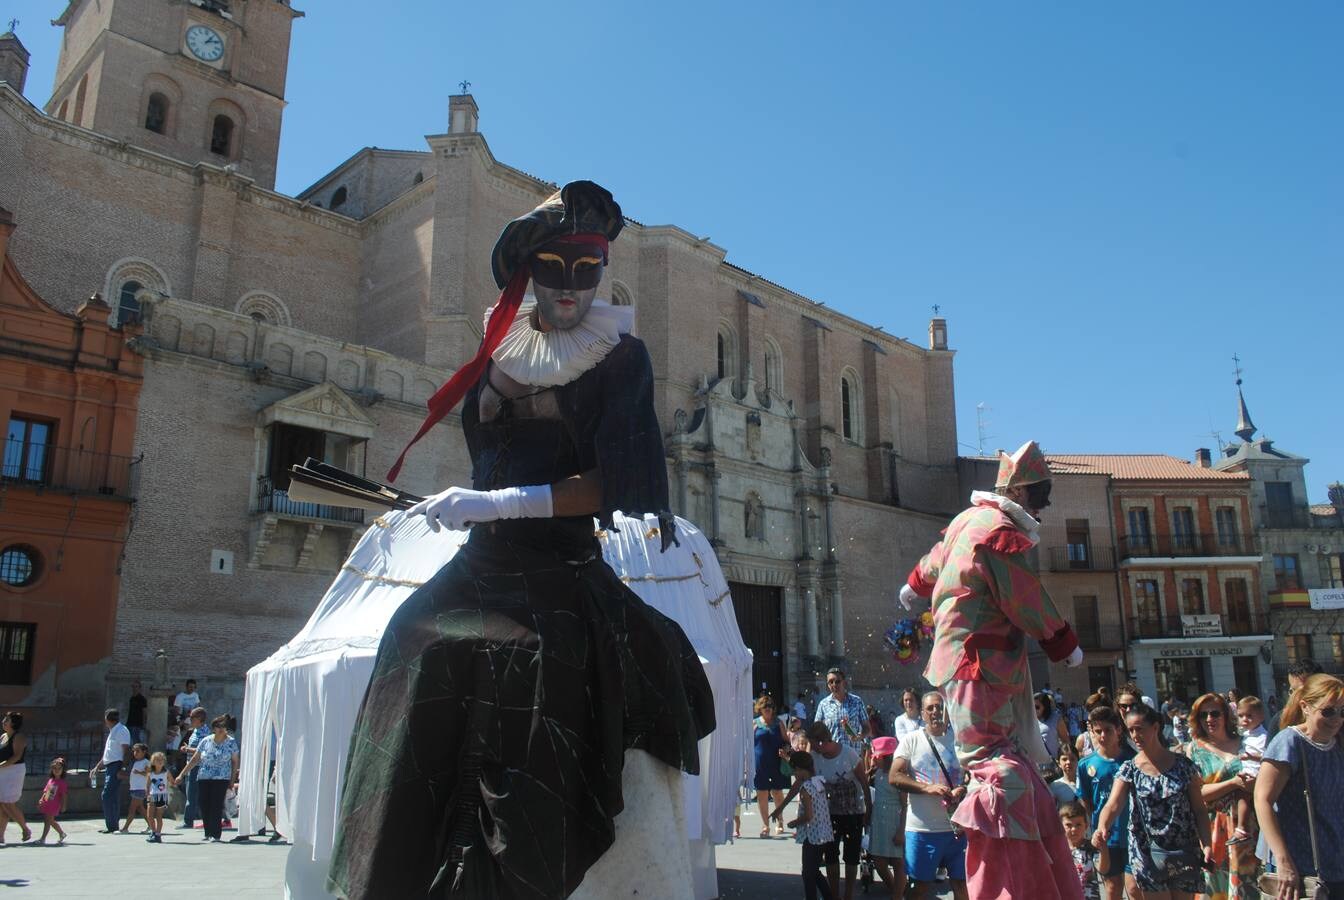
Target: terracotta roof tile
x=1322, y=509
x=1138, y=466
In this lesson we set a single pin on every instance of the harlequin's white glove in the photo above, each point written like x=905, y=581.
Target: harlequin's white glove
x=908, y=597
x=1075, y=658
x=458, y=508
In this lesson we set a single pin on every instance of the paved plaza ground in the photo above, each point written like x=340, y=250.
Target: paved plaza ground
x=125, y=867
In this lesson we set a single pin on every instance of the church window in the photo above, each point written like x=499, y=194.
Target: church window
x=221, y=136
x=338, y=199
x=726, y=352
x=851, y=407
x=156, y=113
x=128, y=307
x=846, y=409
x=774, y=372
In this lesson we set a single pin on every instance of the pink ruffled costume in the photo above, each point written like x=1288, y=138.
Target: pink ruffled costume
x=985, y=600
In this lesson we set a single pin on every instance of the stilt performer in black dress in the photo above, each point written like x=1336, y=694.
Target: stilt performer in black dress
x=487, y=758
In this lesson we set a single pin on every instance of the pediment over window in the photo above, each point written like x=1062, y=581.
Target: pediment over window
x=324, y=407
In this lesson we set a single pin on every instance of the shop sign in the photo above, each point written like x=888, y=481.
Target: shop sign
x=1234, y=650
x=1327, y=598
x=1202, y=626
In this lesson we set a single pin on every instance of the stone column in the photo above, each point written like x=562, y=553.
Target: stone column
x=812, y=640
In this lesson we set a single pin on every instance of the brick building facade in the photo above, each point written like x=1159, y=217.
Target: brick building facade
x=69, y=389
x=817, y=451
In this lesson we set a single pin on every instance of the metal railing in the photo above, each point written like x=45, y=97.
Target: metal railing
x=1285, y=517
x=1094, y=559
x=45, y=467
x=81, y=748
x=1100, y=637
x=1177, y=545
x=271, y=499
x=1171, y=626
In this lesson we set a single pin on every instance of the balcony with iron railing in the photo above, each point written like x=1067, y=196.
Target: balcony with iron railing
x=1099, y=636
x=1187, y=545
x=1290, y=517
x=1081, y=558
x=1146, y=627
x=271, y=499
x=43, y=467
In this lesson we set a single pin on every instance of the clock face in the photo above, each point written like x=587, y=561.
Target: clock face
x=205, y=43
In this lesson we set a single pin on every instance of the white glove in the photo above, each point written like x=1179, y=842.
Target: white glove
x=908, y=597
x=1075, y=658
x=458, y=508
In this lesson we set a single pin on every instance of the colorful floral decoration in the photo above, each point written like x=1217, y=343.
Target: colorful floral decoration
x=904, y=638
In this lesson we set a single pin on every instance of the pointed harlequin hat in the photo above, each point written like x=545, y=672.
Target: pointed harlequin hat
x=1026, y=466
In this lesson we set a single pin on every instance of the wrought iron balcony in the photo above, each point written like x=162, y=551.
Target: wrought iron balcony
x=1101, y=636
x=272, y=500
x=1073, y=558
x=1294, y=517
x=1185, y=545
x=1141, y=627
x=70, y=469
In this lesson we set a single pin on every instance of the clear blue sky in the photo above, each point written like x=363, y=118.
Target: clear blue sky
x=1107, y=200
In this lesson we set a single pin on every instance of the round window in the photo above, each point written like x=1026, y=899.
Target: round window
x=18, y=566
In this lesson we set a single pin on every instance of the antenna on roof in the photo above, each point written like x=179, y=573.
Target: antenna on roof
x=980, y=424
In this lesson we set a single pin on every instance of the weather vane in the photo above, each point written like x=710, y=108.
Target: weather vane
x=1236, y=363
x=464, y=85
x=13, y=23
x=936, y=307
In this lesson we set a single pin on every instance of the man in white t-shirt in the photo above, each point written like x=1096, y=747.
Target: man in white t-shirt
x=909, y=721
x=116, y=753
x=925, y=765
x=187, y=700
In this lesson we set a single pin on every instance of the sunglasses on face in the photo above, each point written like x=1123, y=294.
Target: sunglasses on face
x=1331, y=712
x=1211, y=714
x=934, y=708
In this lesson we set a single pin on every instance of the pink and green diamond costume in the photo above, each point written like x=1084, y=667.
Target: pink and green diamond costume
x=986, y=601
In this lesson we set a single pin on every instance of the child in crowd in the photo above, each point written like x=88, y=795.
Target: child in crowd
x=1180, y=725
x=886, y=830
x=52, y=803
x=1065, y=788
x=812, y=828
x=138, y=777
x=1096, y=777
x=797, y=738
x=1254, y=739
x=1088, y=860
x=156, y=795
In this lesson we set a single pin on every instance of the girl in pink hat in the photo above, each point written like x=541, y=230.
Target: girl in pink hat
x=886, y=831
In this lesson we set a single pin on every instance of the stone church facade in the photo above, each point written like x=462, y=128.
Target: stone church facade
x=817, y=451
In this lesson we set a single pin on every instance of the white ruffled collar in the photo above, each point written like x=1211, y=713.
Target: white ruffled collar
x=1024, y=520
x=553, y=358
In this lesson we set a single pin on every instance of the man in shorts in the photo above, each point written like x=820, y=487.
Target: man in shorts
x=926, y=766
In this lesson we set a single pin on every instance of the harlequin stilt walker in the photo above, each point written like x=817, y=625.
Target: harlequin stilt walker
x=986, y=601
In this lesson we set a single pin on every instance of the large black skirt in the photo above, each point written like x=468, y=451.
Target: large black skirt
x=487, y=757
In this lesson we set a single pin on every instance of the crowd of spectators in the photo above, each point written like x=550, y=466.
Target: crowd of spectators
x=1226, y=796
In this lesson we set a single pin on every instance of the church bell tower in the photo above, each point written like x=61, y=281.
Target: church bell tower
x=196, y=80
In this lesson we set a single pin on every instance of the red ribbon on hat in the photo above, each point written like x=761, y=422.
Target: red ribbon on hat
x=446, y=398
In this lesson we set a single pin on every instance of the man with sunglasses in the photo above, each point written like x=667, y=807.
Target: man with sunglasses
x=842, y=712
x=987, y=600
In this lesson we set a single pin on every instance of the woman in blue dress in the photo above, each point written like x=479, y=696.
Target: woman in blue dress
x=772, y=746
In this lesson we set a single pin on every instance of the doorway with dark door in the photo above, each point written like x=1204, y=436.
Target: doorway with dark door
x=760, y=617
x=1245, y=676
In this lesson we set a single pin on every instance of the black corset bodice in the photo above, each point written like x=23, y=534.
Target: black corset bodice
x=525, y=442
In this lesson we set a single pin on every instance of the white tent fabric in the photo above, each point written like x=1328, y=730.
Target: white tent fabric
x=308, y=692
